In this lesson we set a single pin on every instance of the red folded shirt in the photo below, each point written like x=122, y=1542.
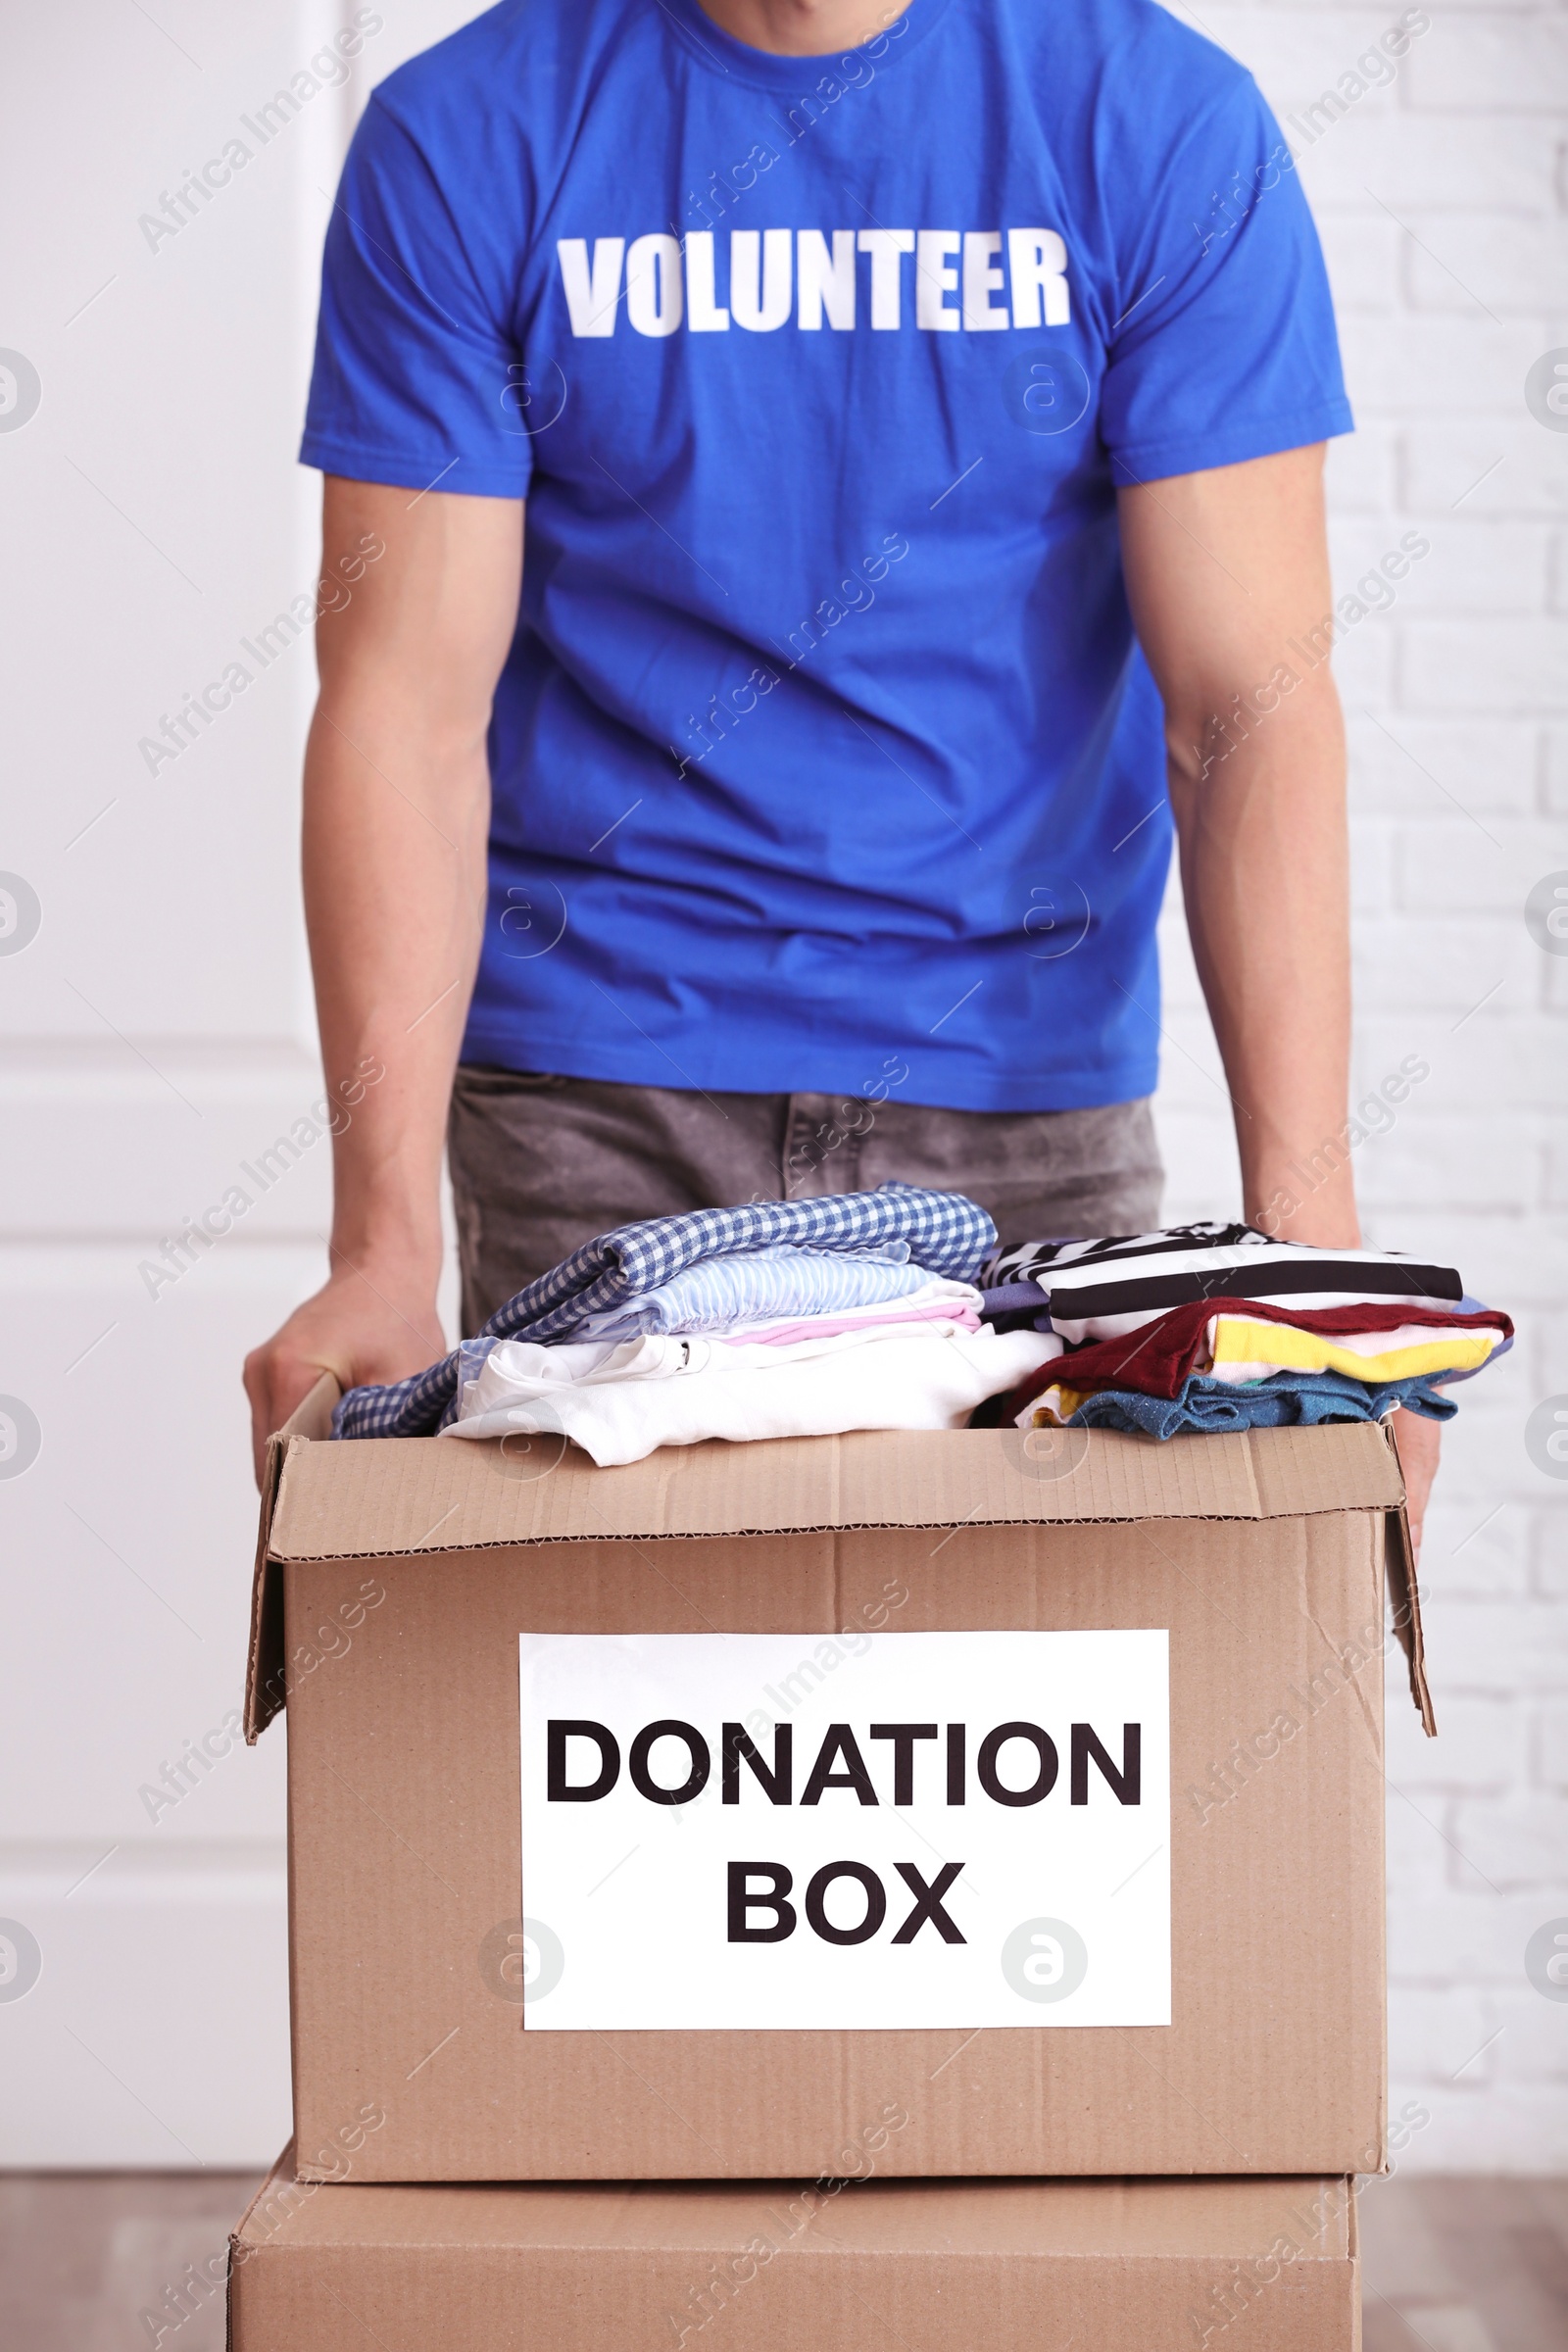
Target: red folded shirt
x=1157, y=1359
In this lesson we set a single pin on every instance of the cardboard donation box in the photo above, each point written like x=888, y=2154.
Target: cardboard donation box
x=1118, y=2266
x=1015, y=1801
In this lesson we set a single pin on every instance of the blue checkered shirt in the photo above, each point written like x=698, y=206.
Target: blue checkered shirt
x=947, y=1234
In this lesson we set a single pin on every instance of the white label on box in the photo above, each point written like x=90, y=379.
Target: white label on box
x=861, y=1831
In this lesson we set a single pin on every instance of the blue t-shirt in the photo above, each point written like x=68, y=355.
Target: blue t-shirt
x=823, y=750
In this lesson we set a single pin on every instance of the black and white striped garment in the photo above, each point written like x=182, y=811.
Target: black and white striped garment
x=1102, y=1290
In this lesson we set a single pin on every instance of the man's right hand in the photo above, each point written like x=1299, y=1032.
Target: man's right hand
x=359, y=1326
x=417, y=605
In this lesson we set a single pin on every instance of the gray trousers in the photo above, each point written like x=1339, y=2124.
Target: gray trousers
x=541, y=1164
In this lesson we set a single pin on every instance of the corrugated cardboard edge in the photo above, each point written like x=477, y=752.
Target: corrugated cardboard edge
x=403, y=1496
x=283, y=2171
x=1323, y=2206
x=241, y=2249
x=1405, y=1599
x=311, y=1421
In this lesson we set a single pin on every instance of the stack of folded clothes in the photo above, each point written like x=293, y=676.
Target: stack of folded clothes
x=779, y=1319
x=1217, y=1327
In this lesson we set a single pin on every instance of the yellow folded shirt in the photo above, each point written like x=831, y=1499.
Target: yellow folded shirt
x=1243, y=1348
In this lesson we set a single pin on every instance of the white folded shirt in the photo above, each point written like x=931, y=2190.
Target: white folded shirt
x=620, y=1400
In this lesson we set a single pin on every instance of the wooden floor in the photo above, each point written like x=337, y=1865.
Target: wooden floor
x=1465, y=2266
x=84, y=2255
x=1450, y=2265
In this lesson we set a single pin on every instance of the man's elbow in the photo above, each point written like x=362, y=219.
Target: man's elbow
x=1214, y=730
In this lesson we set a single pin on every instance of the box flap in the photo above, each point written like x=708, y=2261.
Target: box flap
x=1405, y=1596
x=309, y=1422
x=398, y=1497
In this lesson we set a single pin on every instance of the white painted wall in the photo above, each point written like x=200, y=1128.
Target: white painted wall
x=156, y=1033
x=156, y=1030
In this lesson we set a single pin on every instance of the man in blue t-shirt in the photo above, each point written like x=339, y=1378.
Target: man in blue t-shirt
x=797, y=814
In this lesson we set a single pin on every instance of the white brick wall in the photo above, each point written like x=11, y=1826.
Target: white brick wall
x=1459, y=790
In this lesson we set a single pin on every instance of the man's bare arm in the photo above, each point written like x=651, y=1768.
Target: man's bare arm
x=397, y=802
x=1228, y=577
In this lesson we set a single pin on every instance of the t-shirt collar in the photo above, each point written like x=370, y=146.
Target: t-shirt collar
x=736, y=60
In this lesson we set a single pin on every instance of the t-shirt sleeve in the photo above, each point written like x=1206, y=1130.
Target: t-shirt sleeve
x=417, y=379
x=1225, y=348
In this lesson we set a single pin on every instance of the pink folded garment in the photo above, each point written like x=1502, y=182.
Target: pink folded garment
x=961, y=1316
